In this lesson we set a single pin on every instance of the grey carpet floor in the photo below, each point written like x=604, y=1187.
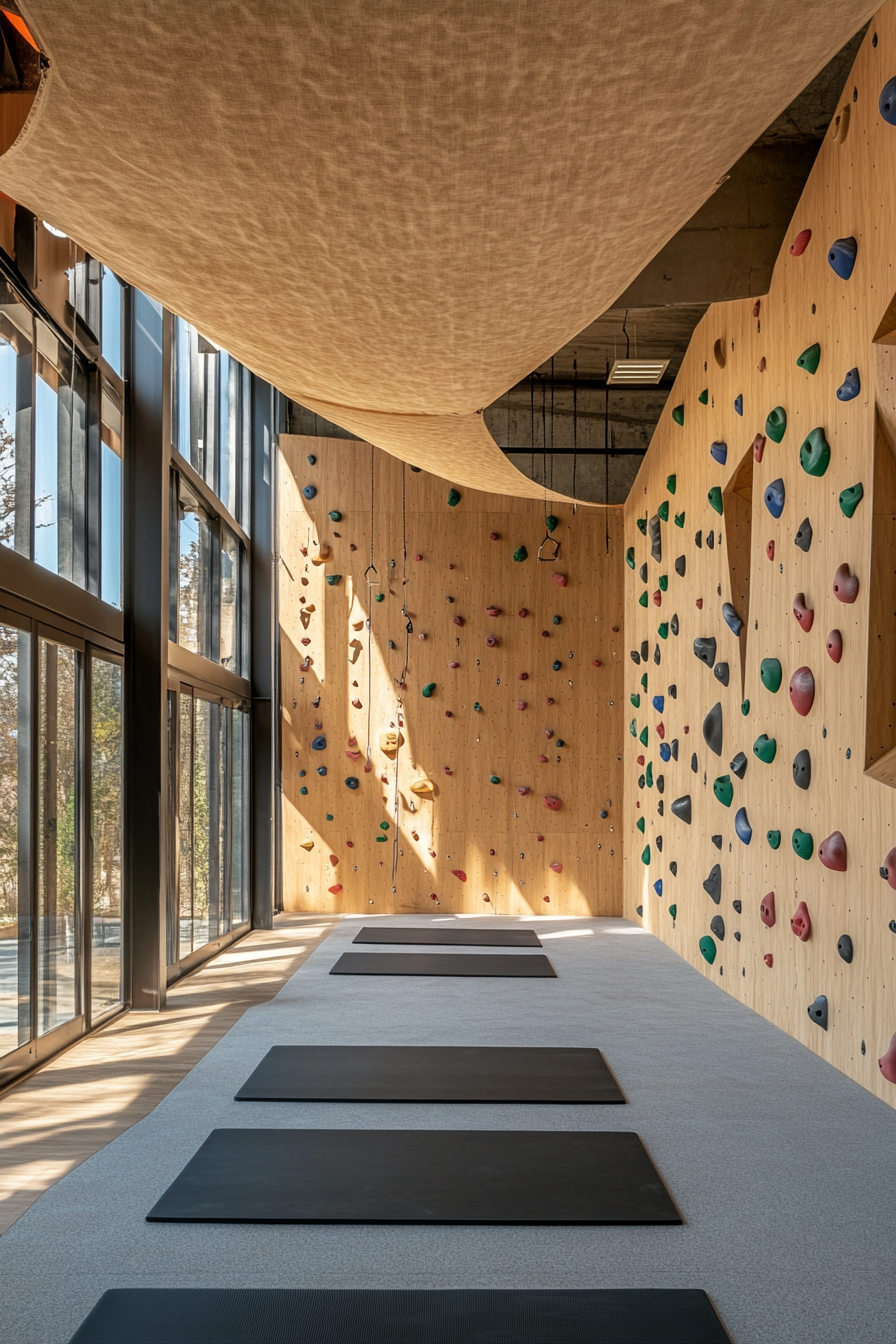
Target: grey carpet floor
x=783, y=1169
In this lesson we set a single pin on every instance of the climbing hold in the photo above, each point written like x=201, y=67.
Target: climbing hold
x=803, y=844
x=318, y=744
x=663, y=511
x=491, y=641
x=770, y=674
x=477, y=708
x=422, y=786
x=745, y=707
x=551, y=522
x=802, y=769
x=767, y=910
x=765, y=748
x=678, y=414
x=556, y=867
x=774, y=497
x=679, y=519
x=522, y=790
x=850, y=387
x=715, y=498
x=768, y=959
x=351, y=782
x=658, y=703
x=718, y=451
x=673, y=911
x=808, y=360
x=818, y=1011
x=333, y=579
x=664, y=586
x=888, y=869
x=663, y=630
x=721, y=673
x=739, y=403
x=804, y=615
x=803, y=537
x=656, y=539
x=428, y=690
x=639, y=824
x=717, y=924
x=832, y=852
x=658, y=887
x=459, y=874
x=334, y=516
x=742, y=827
x=770, y=549
x=758, y=447
x=494, y=779
x=551, y=803
x=708, y=949
x=704, y=397
x=842, y=256
x=311, y=459
x=834, y=646
x=887, y=107
x=815, y=453
x=712, y=729
x=844, y=947
x=681, y=808
x=716, y=840
x=520, y=554
x=680, y=566
x=738, y=766
x=556, y=665
x=800, y=243
x=776, y=424
x=645, y=854
x=887, y=1062
x=458, y=620
x=800, y=923
x=774, y=839
x=761, y=366
x=846, y=585
x=380, y=597
x=453, y=497
x=306, y=845
x=335, y=889
x=694, y=764
x=321, y=770
x=723, y=790
x=630, y=557
x=561, y=580
x=493, y=611
x=732, y=620
x=705, y=650
x=673, y=624
x=309, y=491
x=851, y=498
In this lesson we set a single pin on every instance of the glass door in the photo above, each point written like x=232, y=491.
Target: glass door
x=105, y=919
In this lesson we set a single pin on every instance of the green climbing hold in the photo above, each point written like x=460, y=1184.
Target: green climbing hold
x=773, y=838
x=850, y=499
x=673, y=911
x=453, y=497
x=770, y=673
x=630, y=557
x=663, y=629
x=643, y=738
x=803, y=844
x=648, y=776
x=664, y=582
x=636, y=701
x=670, y=484
x=380, y=597
x=381, y=839
x=550, y=522
x=642, y=526
x=494, y=779
x=303, y=790
x=776, y=424
x=428, y=690
x=663, y=511
x=645, y=854
x=477, y=708
x=520, y=554
x=334, y=516
x=765, y=748
x=329, y=816
x=678, y=414
x=333, y=579
x=633, y=727
x=679, y=519
x=745, y=707
x=639, y=825
x=384, y=825
x=715, y=498
x=723, y=790
x=808, y=360
x=704, y=397
x=643, y=599
x=644, y=680
x=708, y=948
x=815, y=453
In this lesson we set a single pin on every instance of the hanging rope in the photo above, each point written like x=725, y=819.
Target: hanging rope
x=552, y=422
x=607, y=453
x=532, y=424
x=575, y=428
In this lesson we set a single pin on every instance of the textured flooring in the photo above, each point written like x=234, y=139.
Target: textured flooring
x=783, y=1169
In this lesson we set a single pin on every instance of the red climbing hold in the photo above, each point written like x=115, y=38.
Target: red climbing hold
x=641, y=758
x=802, y=690
x=523, y=676
x=835, y=646
x=459, y=874
x=767, y=910
x=493, y=611
x=491, y=641
x=756, y=308
x=539, y=838
x=522, y=612
x=454, y=664
x=494, y=536
x=543, y=760
x=657, y=598
x=486, y=897
x=804, y=615
x=334, y=859
x=832, y=852
x=335, y=889
x=889, y=869
x=770, y=550
x=433, y=896
x=549, y=733
x=660, y=732
x=521, y=704
x=416, y=557
x=357, y=704
x=801, y=924
x=546, y=899
x=560, y=580
x=492, y=852
x=596, y=662
x=768, y=959
x=353, y=755
x=522, y=790
x=762, y=366
x=349, y=844
x=758, y=447
x=448, y=714
x=887, y=1063
x=549, y=700
x=446, y=769
x=846, y=585
x=458, y=620
x=545, y=634
x=699, y=604
x=800, y=242
x=553, y=804
x=556, y=867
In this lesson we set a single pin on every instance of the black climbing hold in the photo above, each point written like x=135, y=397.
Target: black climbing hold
x=712, y=729
x=710, y=541
x=659, y=843
x=673, y=625
x=887, y=102
x=713, y=884
x=705, y=650
x=698, y=540
x=739, y=403
x=673, y=868
x=681, y=808
x=842, y=256
x=656, y=538
x=802, y=769
x=642, y=572
x=732, y=620
x=674, y=747
x=673, y=691
x=656, y=655
x=720, y=672
x=556, y=665
x=774, y=497
x=645, y=648
x=680, y=566
x=718, y=451
x=803, y=537
x=660, y=783
x=738, y=906
x=717, y=926
x=844, y=947
x=660, y=807
x=739, y=765
x=716, y=840
x=818, y=1011
x=635, y=656
x=694, y=765
x=639, y=909
x=850, y=387
x=737, y=936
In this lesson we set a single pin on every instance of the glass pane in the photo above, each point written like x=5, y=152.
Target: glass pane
x=15, y=914
x=57, y=837
x=239, y=793
x=185, y=825
x=111, y=326
x=230, y=600
x=203, y=865
x=190, y=585
x=228, y=429
x=181, y=387
x=15, y=423
x=106, y=783
x=46, y=472
x=110, y=527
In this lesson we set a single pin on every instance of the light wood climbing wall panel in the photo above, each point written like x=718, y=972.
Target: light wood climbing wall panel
x=814, y=348
x=525, y=704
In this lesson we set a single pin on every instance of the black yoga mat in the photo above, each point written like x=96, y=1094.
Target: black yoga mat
x=417, y=1176
x=402, y=1316
x=429, y=935
x=534, y=967
x=431, y=1073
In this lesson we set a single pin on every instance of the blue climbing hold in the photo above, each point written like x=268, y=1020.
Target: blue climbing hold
x=303, y=790
x=739, y=403
x=351, y=782
x=774, y=498
x=718, y=451
x=732, y=620
x=665, y=751
x=556, y=664
x=319, y=743
x=742, y=826
x=842, y=256
x=850, y=387
x=309, y=491
x=311, y=459
x=887, y=102
x=658, y=886
x=658, y=703
x=321, y=770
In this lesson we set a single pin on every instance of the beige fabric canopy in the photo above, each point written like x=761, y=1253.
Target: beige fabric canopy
x=395, y=209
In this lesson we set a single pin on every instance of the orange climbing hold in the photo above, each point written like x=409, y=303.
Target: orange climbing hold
x=801, y=924
x=556, y=867
x=334, y=859
x=832, y=852
x=335, y=889
x=800, y=242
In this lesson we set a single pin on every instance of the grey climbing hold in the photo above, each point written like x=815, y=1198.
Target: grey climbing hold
x=713, y=884
x=660, y=783
x=712, y=729
x=681, y=808
x=680, y=566
x=732, y=620
x=698, y=539
x=717, y=926
x=673, y=691
x=642, y=572
x=694, y=765
x=639, y=909
x=674, y=748
x=656, y=538
x=716, y=840
x=818, y=1011
x=645, y=649
x=802, y=769
x=673, y=625
x=705, y=650
x=710, y=540
x=739, y=765
x=721, y=673
x=844, y=947
x=742, y=827
x=738, y=906
x=673, y=868
x=803, y=537
x=635, y=656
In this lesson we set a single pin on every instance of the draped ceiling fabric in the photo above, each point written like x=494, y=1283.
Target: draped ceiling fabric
x=394, y=210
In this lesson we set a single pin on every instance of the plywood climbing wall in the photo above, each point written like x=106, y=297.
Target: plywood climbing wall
x=452, y=723
x=761, y=619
